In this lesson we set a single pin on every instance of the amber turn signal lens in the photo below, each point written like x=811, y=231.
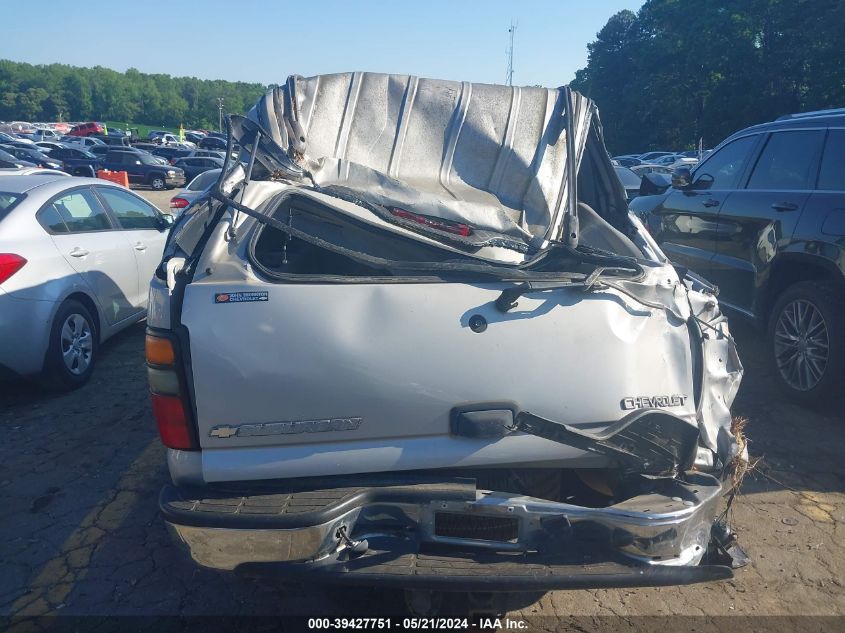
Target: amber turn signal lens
x=159, y=351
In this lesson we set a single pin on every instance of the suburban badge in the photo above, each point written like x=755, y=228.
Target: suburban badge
x=287, y=428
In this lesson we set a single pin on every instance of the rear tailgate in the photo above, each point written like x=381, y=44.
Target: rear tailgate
x=335, y=378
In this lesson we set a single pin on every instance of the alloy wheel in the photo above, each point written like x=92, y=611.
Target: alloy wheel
x=77, y=344
x=801, y=344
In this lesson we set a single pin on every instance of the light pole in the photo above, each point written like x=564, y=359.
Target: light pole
x=220, y=113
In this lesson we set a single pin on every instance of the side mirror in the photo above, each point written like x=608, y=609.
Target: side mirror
x=681, y=178
x=165, y=221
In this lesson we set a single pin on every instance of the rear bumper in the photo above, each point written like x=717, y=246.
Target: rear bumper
x=175, y=181
x=424, y=533
x=24, y=328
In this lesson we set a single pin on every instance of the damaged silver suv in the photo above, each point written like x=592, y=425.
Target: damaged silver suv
x=416, y=339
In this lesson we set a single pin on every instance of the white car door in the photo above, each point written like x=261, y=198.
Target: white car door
x=143, y=228
x=93, y=246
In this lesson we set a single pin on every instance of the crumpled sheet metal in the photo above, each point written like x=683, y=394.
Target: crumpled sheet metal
x=722, y=376
x=493, y=156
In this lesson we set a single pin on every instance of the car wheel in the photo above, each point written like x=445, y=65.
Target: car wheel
x=158, y=183
x=73, y=348
x=807, y=340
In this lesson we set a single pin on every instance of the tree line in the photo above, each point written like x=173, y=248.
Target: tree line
x=680, y=70
x=55, y=92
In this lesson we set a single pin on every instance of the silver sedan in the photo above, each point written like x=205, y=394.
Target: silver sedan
x=76, y=258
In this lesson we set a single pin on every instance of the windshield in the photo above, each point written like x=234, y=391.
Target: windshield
x=628, y=178
x=8, y=201
x=148, y=159
x=204, y=180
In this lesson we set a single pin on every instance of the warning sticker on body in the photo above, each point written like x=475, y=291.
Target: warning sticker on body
x=240, y=297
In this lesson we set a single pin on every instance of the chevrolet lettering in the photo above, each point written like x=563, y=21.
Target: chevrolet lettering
x=653, y=402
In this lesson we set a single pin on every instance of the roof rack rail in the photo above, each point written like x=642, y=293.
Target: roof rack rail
x=814, y=113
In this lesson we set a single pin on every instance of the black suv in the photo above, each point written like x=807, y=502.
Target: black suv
x=763, y=218
x=142, y=168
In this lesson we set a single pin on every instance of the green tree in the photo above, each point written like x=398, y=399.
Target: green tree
x=78, y=94
x=680, y=70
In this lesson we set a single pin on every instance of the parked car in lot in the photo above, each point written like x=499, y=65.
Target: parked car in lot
x=627, y=161
x=683, y=162
x=14, y=139
x=212, y=142
x=170, y=154
x=528, y=393
x=630, y=181
x=8, y=161
x=49, y=146
x=84, y=141
x=117, y=139
x=31, y=171
x=762, y=218
x=77, y=161
x=206, y=153
x=193, y=191
x=44, y=135
x=33, y=156
x=86, y=129
x=143, y=168
x=99, y=151
x=651, y=157
x=76, y=256
x=195, y=166
x=647, y=168
x=21, y=143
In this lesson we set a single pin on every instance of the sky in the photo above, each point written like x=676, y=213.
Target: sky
x=265, y=41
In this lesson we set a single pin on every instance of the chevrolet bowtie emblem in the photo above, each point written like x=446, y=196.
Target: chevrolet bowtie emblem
x=223, y=431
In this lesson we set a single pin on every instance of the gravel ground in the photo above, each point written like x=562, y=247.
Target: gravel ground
x=81, y=535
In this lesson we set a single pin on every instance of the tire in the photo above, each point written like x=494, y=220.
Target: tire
x=806, y=339
x=73, y=348
x=158, y=182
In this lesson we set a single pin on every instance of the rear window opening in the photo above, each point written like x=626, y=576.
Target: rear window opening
x=278, y=254
x=338, y=246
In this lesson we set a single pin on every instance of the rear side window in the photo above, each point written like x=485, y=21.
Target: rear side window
x=832, y=173
x=81, y=212
x=8, y=201
x=788, y=161
x=723, y=169
x=131, y=212
x=50, y=219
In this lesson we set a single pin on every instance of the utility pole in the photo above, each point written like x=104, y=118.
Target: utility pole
x=220, y=113
x=509, y=73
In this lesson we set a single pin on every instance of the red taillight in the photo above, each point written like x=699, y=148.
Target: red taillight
x=178, y=203
x=173, y=426
x=435, y=223
x=169, y=408
x=9, y=265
